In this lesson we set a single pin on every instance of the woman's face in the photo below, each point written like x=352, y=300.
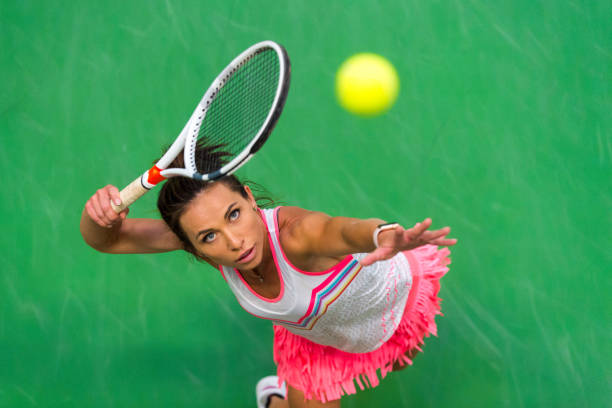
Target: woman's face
x=225, y=227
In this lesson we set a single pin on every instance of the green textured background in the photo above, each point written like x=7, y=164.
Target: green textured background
x=502, y=130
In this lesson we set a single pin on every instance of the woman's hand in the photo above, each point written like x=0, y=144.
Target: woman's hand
x=106, y=231
x=98, y=207
x=399, y=239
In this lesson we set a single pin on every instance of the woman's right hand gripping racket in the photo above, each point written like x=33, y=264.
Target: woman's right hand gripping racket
x=236, y=115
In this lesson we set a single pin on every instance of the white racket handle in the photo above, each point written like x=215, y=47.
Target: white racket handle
x=129, y=194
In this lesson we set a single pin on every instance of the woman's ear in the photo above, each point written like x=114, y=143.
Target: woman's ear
x=251, y=198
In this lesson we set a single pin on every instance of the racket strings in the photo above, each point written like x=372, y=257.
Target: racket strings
x=208, y=158
x=241, y=107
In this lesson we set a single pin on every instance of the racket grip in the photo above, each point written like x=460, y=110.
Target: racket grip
x=129, y=194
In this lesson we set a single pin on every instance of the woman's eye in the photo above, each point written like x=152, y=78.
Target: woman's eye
x=234, y=215
x=210, y=237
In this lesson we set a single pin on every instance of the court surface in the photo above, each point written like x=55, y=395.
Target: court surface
x=502, y=130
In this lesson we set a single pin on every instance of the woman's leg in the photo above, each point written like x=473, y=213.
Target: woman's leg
x=295, y=399
x=397, y=366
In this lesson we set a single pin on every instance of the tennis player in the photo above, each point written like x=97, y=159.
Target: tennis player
x=350, y=300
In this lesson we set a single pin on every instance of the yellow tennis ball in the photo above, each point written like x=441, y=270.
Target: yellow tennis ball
x=366, y=84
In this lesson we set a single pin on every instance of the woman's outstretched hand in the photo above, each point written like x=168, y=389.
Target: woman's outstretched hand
x=399, y=239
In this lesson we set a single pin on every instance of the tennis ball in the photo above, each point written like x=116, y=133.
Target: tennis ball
x=366, y=84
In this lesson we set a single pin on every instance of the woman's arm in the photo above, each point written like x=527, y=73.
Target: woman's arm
x=107, y=231
x=320, y=234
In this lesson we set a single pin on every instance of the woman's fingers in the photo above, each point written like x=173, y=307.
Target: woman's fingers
x=378, y=255
x=413, y=234
x=115, y=197
x=431, y=235
x=420, y=235
x=91, y=211
x=423, y=226
x=123, y=214
x=438, y=237
x=110, y=216
x=99, y=209
x=444, y=242
x=113, y=192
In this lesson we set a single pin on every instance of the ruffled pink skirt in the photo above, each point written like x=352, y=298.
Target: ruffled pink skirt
x=325, y=373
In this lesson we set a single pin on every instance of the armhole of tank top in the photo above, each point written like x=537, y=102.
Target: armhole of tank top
x=334, y=268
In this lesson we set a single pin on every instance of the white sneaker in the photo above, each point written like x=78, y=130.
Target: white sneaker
x=267, y=387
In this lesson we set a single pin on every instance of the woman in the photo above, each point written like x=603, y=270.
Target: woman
x=347, y=297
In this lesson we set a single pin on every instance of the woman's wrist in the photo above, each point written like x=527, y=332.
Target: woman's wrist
x=390, y=226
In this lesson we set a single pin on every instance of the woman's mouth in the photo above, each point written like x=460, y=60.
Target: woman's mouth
x=247, y=256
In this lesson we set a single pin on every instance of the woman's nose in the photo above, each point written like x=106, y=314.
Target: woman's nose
x=234, y=241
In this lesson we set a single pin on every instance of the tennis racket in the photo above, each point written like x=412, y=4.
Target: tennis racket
x=236, y=115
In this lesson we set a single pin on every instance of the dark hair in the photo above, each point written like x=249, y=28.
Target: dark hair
x=177, y=192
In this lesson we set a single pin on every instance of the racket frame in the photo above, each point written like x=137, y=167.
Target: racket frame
x=187, y=139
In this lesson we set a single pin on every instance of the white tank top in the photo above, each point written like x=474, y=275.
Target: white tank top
x=350, y=307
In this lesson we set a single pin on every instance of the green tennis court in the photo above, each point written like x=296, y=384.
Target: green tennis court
x=502, y=130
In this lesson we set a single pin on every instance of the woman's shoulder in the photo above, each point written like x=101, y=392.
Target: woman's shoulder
x=300, y=231
x=296, y=225
x=290, y=217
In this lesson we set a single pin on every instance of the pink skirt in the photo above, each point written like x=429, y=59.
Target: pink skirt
x=326, y=374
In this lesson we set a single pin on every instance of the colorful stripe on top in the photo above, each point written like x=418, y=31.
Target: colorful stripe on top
x=325, y=294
